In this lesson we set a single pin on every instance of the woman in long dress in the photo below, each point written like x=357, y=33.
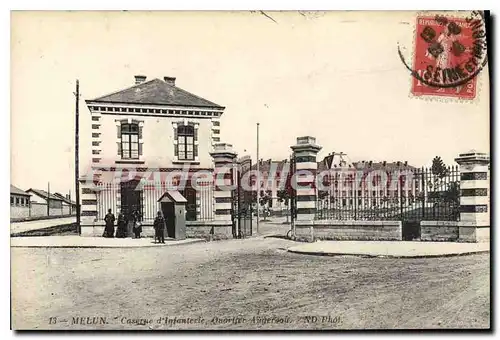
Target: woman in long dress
x=109, y=230
x=137, y=229
x=121, y=228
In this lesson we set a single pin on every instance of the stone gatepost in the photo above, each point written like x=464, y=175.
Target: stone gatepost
x=474, y=225
x=224, y=161
x=305, y=152
x=89, y=194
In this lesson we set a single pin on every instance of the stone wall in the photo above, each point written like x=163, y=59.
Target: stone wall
x=349, y=230
x=439, y=231
x=19, y=212
x=37, y=210
x=98, y=229
x=462, y=231
x=217, y=230
x=473, y=231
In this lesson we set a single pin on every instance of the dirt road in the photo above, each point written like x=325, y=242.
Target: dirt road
x=243, y=284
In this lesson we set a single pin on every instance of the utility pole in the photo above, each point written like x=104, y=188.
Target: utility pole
x=258, y=179
x=48, y=198
x=77, y=161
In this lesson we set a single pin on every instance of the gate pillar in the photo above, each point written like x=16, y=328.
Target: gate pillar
x=305, y=152
x=474, y=225
x=224, y=162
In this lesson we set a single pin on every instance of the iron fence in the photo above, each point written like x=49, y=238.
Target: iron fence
x=200, y=207
x=418, y=194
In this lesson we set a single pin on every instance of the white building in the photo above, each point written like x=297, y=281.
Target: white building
x=19, y=203
x=153, y=130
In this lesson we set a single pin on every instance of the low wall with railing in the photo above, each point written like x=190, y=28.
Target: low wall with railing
x=349, y=230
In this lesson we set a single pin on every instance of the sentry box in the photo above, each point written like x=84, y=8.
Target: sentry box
x=173, y=207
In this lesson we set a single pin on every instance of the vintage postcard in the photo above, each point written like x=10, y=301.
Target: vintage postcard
x=250, y=170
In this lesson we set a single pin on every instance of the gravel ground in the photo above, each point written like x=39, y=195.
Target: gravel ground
x=243, y=284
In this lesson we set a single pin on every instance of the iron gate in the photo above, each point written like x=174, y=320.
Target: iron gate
x=292, y=193
x=242, y=201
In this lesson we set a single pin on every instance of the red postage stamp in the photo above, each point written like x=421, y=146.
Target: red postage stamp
x=449, y=53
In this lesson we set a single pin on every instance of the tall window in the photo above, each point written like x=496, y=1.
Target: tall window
x=185, y=142
x=130, y=141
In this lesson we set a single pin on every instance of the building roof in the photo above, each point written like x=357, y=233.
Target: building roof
x=265, y=166
x=156, y=92
x=172, y=196
x=16, y=191
x=334, y=160
x=388, y=166
x=64, y=199
x=44, y=194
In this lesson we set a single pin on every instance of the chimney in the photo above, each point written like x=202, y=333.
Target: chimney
x=139, y=79
x=169, y=80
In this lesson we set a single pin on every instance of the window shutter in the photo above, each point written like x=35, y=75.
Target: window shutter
x=176, y=147
x=195, y=150
x=119, y=144
x=140, y=149
x=119, y=130
x=140, y=132
x=195, y=134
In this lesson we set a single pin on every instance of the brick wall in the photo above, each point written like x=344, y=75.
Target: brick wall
x=349, y=230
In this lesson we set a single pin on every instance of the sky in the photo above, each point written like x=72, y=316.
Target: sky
x=336, y=76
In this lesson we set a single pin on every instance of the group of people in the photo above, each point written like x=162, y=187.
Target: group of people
x=135, y=218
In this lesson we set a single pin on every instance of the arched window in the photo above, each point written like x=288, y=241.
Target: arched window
x=185, y=142
x=130, y=141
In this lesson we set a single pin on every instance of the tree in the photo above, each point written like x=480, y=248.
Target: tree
x=265, y=198
x=438, y=169
x=452, y=194
x=284, y=197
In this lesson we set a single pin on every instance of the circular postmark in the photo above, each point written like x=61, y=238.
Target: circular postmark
x=449, y=53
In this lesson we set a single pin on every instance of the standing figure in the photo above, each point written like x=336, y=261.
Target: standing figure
x=121, y=226
x=109, y=230
x=159, y=225
x=137, y=226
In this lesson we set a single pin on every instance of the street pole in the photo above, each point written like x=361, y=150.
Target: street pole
x=77, y=161
x=48, y=198
x=258, y=179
